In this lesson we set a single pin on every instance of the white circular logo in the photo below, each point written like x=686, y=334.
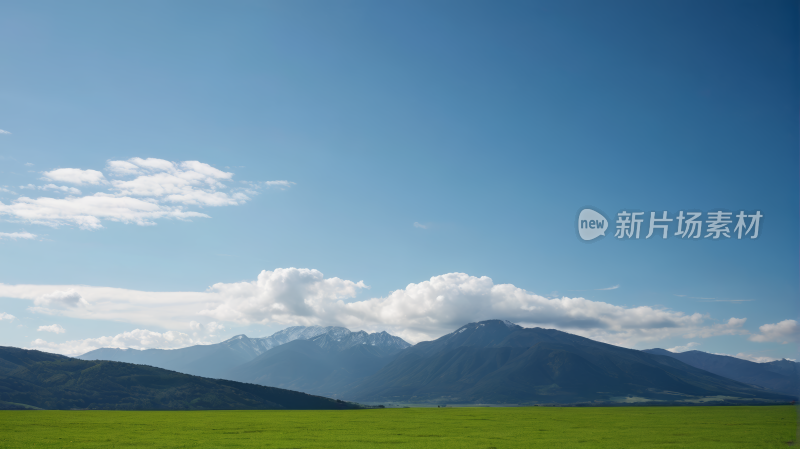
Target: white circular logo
x=591, y=224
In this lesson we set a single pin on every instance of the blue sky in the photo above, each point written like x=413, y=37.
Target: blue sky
x=488, y=125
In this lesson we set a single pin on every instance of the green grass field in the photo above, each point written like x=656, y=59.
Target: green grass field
x=546, y=427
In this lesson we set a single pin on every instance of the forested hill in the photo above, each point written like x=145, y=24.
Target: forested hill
x=35, y=379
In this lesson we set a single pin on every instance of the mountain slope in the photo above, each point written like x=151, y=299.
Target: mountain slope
x=49, y=381
x=326, y=365
x=779, y=376
x=499, y=362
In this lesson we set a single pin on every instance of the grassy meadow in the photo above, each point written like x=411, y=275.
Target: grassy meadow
x=523, y=427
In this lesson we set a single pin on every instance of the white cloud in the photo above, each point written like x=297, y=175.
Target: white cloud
x=786, y=331
x=17, y=235
x=87, y=212
x=6, y=316
x=755, y=358
x=168, y=310
x=190, y=182
x=136, y=339
x=59, y=298
x=283, y=184
x=122, y=168
x=420, y=225
x=29, y=164
x=686, y=347
x=2, y=131
x=610, y=288
x=160, y=189
x=205, y=330
x=286, y=295
x=75, y=176
x=65, y=189
x=54, y=328
x=422, y=311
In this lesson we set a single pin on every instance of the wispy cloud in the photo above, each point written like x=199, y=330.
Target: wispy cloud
x=64, y=189
x=135, y=339
x=159, y=189
x=2, y=131
x=420, y=225
x=705, y=299
x=693, y=297
x=17, y=235
x=29, y=164
x=283, y=184
x=596, y=289
x=54, y=328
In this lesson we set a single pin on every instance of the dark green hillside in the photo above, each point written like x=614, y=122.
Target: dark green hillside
x=49, y=381
x=499, y=362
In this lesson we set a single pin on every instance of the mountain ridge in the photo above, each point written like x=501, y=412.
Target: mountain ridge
x=216, y=360
x=492, y=362
x=779, y=375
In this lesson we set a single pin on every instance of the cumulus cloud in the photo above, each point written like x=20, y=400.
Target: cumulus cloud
x=159, y=189
x=17, y=235
x=686, y=347
x=286, y=295
x=6, y=316
x=2, y=131
x=784, y=332
x=420, y=311
x=75, y=176
x=54, y=328
x=135, y=339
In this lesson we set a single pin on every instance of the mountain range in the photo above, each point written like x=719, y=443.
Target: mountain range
x=316, y=360
x=207, y=360
x=492, y=362
x=778, y=375
x=38, y=380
